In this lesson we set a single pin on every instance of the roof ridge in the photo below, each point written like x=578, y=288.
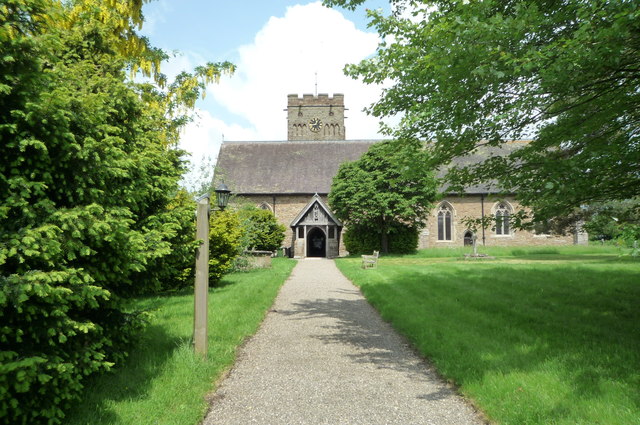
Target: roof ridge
x=247, y=142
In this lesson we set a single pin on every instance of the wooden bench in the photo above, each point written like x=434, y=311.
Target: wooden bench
x=370, y=261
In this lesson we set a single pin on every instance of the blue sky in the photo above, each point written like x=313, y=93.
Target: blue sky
x=278, y=47
x=217, y=28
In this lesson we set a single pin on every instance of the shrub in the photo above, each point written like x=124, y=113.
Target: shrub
x=53, y=336
x=262, y=230
x=402, y=240
x=361, y=241
x=87, y=212
x=225, y=243
x=630, y=236
x=175, y=269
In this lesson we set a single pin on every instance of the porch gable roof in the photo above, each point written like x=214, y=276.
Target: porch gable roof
x=315, y=199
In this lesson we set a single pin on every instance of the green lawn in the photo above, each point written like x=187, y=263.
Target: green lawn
x=535, y=336
x=163, y=382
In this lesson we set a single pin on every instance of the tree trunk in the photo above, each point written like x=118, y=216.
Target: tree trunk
x=384, y=242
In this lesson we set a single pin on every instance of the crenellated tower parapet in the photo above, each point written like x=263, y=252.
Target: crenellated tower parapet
x=315, y=117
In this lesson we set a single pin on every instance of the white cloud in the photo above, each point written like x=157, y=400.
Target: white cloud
x=284, y=58
x=179, y=62
x=202, y=139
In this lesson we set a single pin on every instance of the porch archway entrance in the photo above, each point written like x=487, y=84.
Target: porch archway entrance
x=316, y=243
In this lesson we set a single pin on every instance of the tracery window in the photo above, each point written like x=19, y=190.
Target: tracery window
x=502, y=219
x=445, y=223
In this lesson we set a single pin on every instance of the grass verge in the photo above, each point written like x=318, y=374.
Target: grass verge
x=536, y=336
x=162, y=381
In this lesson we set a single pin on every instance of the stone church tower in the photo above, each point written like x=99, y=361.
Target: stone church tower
x=315, y=117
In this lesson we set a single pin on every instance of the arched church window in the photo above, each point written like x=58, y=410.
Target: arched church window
x=265, y=206
x=502, y=219
x=445, y=222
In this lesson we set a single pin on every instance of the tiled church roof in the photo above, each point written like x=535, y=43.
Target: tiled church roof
x=306, y=167
x=285, y=167
x=479, y=155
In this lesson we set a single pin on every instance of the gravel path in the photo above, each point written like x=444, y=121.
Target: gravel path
x=323, y=355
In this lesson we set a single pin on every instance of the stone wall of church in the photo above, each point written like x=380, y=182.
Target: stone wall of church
x=287, y=207
x=472, y=206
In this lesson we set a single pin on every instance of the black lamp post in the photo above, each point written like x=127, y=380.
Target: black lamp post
x=222, y=196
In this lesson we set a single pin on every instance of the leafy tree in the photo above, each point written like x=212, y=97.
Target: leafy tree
x=466, y=74
x=608, y=220
x=391, y=185
x=262, y=230
x=90, y=208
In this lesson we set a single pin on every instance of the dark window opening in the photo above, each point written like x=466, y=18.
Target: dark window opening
x=445, y=225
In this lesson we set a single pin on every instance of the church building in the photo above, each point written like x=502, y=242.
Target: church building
x=293, y=178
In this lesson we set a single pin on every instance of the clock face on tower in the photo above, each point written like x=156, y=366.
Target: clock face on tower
x=315, y=124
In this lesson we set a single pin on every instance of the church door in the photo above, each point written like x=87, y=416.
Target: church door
x=316, y=243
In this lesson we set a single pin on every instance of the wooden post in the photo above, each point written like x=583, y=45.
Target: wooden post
x=202, y=279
